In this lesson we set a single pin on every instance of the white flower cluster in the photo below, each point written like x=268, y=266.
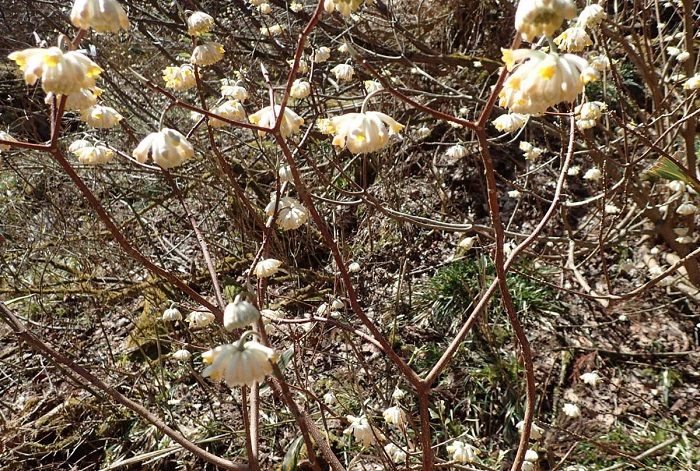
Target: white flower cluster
x=543, y=80
x=361, y=133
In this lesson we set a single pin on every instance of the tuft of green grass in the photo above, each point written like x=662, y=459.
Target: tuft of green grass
x=485, y=379
x=454, y=290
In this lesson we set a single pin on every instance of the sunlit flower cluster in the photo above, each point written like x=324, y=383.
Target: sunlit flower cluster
x=462, y=452
x=361, y=430
x=80, y=101
x=343, y=72
x=199, y=319
x=267, y=117
x=240, y=313
x=456, y=151
x=587, y=114
x=531, y=459
x=592, y=378
x=591, y=16
x=693, y=83
x=236, y=92
x=291, y=213
x=510, y=122
x=573, y=39
x=542, y=17
x=536, y=431
x=207, y=54
x=230, y=109
x=530, y=152
x=179, y=77
x=593, y=173
x=89, y=153
x=101, y=117
x=239, y=363
x=267, y=267
x=274, y=30
x=396, y=454
x=199, y=23
x=543, y=80
x=394, y=415
x=322, y=54
x=60, y=73
x=300, y=89
x=168, y=148
x=345, y=7
x=103, y=16
x=373, y=86
x=362, y=132
x=571, y=410
x=172, y=314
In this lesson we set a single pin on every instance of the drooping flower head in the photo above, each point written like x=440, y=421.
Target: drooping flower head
x=361, y=430
x=200, y=319
x=267, y=267
x=101, y=117
x=343, y=72
x=239, y=363
x=510, y=122
x=291, y=213
x=182, y=355
x=571, y=410
x=322, y=54
x=274, y=30
x=60, y=73
x=199, y=23
x=240, y=313
x=172, y=314
x=207, y=54
x=591, y=16
x=179, y=77
x=362, y=132
x=345, y=7
x=693, y=83
x=230, y=109
x=456, y=151
x=90, y=154
x=104, y=16
x=394, y=415
x=80, y=101
x=542, y=17
x=536, y=431
x=168, y=148
x=236, y=92
x=573, y=39
x=587, y=114
x=300, y=89
x=543, y=80
x=462, y=452
x=266, y=118
x=396, y=454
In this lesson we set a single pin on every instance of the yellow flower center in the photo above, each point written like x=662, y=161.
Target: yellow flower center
x=546, y=72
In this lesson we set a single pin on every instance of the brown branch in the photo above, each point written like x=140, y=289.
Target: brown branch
x=200, y=240
x=125, y=244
